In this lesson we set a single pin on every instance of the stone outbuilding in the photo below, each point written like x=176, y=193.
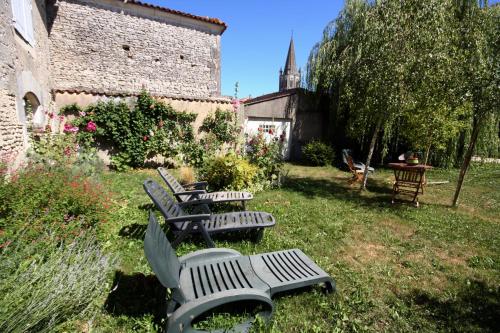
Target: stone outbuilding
x=293, y=113
x=57, y=52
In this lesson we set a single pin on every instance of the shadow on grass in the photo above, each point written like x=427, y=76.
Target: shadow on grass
x=133, y=231
x=137, y=295
x=380, y=194
x=476, y=308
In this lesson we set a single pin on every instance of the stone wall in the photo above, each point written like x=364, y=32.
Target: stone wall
x=201, y=107
x=109, y=46
x=24, y=68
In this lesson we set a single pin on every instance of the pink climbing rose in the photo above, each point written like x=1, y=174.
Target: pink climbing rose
x=69, y=128
x=91, y=126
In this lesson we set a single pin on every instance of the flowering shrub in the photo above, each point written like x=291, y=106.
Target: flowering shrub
x=221, y=132
x=268, y=157
x=38, y=200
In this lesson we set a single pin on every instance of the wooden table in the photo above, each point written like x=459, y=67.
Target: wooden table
x=409, y=180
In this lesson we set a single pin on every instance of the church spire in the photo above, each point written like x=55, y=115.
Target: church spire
x=290, y=65
x=290, y=77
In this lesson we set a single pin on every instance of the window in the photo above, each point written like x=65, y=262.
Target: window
x=266, y=128
x=23, y=19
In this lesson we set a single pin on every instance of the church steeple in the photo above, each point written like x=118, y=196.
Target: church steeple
x=290, y=77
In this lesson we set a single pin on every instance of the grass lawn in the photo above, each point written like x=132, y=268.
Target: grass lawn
x=398, y=268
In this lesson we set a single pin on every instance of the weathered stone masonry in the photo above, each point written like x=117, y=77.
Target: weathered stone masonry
x=24, y=68
x=95, y=49
x=109, y=46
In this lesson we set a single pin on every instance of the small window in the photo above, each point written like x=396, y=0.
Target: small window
x=266, y=128
x=23, y=19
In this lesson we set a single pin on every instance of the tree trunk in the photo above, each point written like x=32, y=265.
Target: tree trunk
x=427, y=152
x=370, y=153
x=467, y=159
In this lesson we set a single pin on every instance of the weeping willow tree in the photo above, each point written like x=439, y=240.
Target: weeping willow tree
x=395, y=68
x=479, y=26
x=369, y=56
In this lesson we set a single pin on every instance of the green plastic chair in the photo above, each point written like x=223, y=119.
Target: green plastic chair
x=197, y=191
x=182, y=224
x=206, y=279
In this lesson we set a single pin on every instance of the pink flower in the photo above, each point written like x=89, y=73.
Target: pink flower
x=51, y=115
x=82, y=114
x=91, y=126
x=145, y=138
x=69, y=128
x=61, y=118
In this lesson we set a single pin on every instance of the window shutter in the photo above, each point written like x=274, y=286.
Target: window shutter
x=23, y=19
x=18, y=15
x=28, y=12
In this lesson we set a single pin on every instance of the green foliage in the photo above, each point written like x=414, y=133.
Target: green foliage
x=229, y=172
x=222, y=124
x=150, y=128
x=268, y=157
x=412, y=85
x=40, y=289
x=317, y=153
x=63, y=150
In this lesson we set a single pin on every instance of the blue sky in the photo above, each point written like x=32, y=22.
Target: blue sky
x=255, y=44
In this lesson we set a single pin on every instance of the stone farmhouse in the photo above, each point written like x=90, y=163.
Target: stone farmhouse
x=56, y=52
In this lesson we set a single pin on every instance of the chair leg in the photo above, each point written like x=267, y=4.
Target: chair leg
x=183, y=234
x=259, y=234
x=206, y=236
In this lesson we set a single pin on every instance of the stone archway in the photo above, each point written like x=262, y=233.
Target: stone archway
x=32, y=109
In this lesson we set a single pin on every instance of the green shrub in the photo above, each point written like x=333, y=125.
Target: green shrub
x=229, y=172
x=268, y=158
x=317, y=153
x=41, y=290
x=222, y=125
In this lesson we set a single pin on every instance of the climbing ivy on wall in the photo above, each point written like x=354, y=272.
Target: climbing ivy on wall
x=148, y=129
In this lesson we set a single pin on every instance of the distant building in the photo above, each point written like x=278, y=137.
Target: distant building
x=290, y=77
x=293, y=113
x=56, y=52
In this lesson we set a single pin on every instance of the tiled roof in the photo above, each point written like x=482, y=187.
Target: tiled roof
x=220, y=100
x=177, y=12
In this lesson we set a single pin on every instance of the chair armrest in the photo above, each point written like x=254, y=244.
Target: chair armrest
x=194, y=202
x=196, y=257
x=193, y=218
x=193, y=192
x=198, y=185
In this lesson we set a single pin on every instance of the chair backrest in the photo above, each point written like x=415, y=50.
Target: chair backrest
x=345, y=154
x=171, y=181
x=160, y=254
x=350, y=163
x=162, y=200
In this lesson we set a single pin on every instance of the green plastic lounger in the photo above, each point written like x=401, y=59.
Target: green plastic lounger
x=182, y=224
x=196, y=191
x=206, y=279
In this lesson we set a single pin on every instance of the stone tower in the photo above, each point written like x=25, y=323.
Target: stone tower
x=290, y=77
